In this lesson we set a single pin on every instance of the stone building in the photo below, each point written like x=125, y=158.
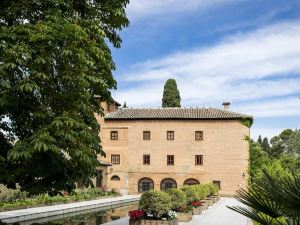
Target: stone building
x=169, y=147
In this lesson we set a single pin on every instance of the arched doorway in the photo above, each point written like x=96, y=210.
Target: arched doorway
x=191, y=181
x=145, y=184
x=167, y=183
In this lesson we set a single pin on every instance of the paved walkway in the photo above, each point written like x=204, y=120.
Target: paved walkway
x=219, y=214
x=40, y=212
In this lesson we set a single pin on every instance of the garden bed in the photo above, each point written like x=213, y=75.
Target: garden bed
x=15, y=199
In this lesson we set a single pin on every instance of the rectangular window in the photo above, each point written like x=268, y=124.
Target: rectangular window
x=198, y=160
x=170, y=135
x=146, y=135
x=114, y=135
x=146, y=159
x=199, y=135
x=170, y=159
x=115, y=159
x=218, y=183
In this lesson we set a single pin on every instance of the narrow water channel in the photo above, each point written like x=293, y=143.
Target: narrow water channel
x=88, y=217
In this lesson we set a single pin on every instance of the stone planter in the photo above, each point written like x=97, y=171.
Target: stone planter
x=205, y=203
x=214, y=198
x=153, y=222
x=198, y=210
x=209, y=201
x=202, y=207
x=217, y=197
x=184, y=217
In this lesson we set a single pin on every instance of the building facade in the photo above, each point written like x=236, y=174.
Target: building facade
x=169, y=147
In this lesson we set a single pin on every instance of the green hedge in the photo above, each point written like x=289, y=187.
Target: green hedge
x=199, y=191
x=178, y=198
x=14, y=198
x=156, y=203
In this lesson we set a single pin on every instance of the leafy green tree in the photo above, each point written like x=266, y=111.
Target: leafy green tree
x=171, y=96
x=287, y=142
x=54, y=58
x=258, y=160
x=271, y=200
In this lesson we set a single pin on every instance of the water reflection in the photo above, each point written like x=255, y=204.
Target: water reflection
x=88, y=217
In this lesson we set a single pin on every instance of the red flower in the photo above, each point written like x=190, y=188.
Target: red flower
x=136, y=214
x=196, y=204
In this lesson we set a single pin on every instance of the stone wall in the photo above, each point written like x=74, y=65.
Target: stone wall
x=224, y=149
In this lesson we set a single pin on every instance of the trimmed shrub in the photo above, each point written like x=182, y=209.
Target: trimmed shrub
x=156, y=203
x=212, y=189
x=191, y=193
x=178, y=198
x=202, y=190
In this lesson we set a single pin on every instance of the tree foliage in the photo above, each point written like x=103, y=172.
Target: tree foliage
x=54, y=58
x=171, y=95
x=271, y=200
x=273, y=196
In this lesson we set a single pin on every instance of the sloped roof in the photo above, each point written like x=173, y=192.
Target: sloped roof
x=104, y=163
x=174, y=113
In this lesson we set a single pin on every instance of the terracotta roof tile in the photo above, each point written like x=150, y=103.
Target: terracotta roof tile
x=174, y=113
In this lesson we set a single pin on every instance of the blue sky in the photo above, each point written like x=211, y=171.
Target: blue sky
x=243, y=51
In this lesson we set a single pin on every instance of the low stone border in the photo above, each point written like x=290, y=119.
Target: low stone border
x=46, y=211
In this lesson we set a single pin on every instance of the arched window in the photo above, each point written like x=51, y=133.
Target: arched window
x=145, y=184
x=191, y=181
x=167, y=183
x=115, y=177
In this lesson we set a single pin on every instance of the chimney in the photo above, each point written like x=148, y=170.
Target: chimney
x=226, y=105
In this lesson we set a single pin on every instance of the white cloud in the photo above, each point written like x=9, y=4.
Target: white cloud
x=250, y=66
x=271, y=108
x=161, y=8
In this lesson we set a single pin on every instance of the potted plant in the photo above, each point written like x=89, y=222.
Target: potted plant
x=196, y=205
x=213, y=190
x=194, y=194
x=136, y=216
x=179, y=201
x=157, y=207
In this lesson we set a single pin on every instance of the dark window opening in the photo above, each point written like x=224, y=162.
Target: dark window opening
x=146, y=135
x=115, y=177
x=167, y=183
x=146, y=159
x=199, y=135
x=145, y=184
x=115, y=159
x=114, y=135
x=191, y=181
x=170, y=159
x=170, y=135
x=217, y=183
x=198, y=160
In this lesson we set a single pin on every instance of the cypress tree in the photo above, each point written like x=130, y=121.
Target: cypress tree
x=171, y=96
x=259, y=140
x=265, y=145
